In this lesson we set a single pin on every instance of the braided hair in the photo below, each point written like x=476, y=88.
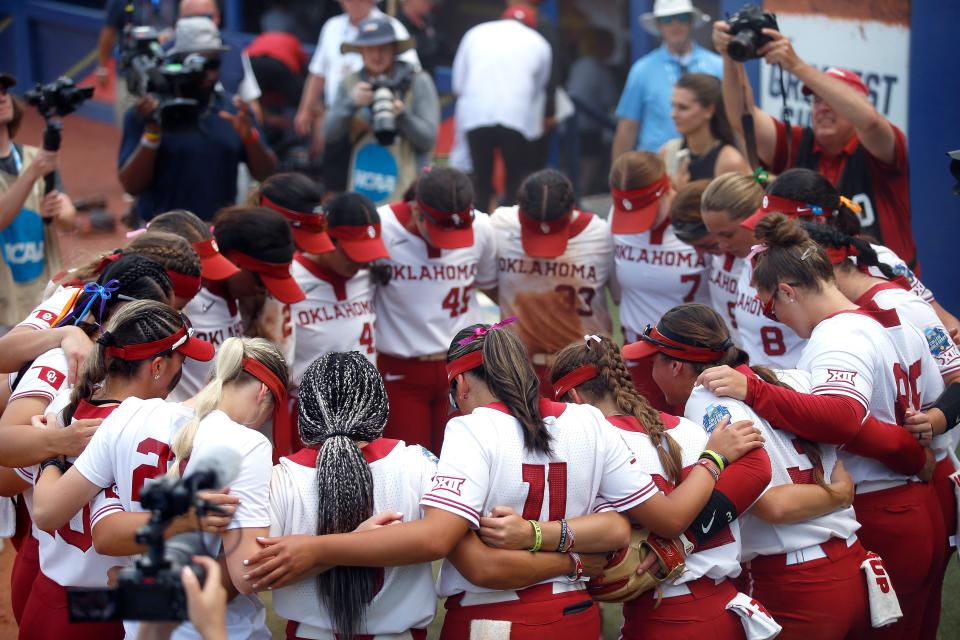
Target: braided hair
x=614, y=380
x=507, y=372
x=546, y=195
x=171, y=251
x=182, y=223
x=832, y=238
x=806, y=185
x=134, y=323
x=342, y=402
x=137, y=278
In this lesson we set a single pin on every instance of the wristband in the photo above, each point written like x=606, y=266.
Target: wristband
x=714, y=457
x=52, y=462
x=949, y=405
x=710, y=466
x=252, y=136
x=577, y=573
x=564, y=530
x=538, y=536
x=150, y=140
x=570, y=539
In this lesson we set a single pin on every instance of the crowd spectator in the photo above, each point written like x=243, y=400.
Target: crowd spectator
x=849, y=142
x=644, y=110
x=707, y=147
x=357, y=109
x=500, y=76
x=195, y=167
x=30, y=249
x=433, y=47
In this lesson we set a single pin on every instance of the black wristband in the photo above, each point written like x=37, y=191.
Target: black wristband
x=715, y=516
x=949, y=404
x=52, y=462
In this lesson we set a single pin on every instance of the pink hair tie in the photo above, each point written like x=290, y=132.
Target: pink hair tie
x=136, y=232
x=756, y=250
x=479, y=332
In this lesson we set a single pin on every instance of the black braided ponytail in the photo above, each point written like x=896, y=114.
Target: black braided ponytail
x=832, y=238
x=342, y=402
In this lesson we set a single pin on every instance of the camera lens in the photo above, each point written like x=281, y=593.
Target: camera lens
x=742, y=46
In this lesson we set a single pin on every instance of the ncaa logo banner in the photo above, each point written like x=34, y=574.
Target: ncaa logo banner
x=375, y=172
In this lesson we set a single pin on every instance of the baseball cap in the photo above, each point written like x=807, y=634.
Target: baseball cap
x=309, y=229
x=355, y=225
x=7, y=80
x=448, y=229
x=196, y=34
x=376, y=31
x=544, y=238
x=275, y=276
x=851, y=78
x=776, y=204
x=526, y=15
x=635, y=211
x=213, y=264
x=657, y=339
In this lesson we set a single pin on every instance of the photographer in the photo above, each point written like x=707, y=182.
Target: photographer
x=387, y=104
x=31, y=253
x=194, y=166
x=849, y=142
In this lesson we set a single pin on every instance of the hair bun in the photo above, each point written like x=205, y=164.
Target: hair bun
x=777, y=230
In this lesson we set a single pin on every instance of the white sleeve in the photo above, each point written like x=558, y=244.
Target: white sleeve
x=46, y=313
x=842, y=368
x=95, y=463
x=462, y=481
x=320, y=63
x=39, y=381
x=487, y=273
x=423, y=471
x=460, y=65
x=279, y=501
x=708, y=411
x=249, y=87
x=107, y=502
x=624, y=484
x=252, y=486
x=942, y=347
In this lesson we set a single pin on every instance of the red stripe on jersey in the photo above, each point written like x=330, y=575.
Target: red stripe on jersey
x=105, y=510
x=626, y=423
x=472, y=515
x=403, y=213
x=887, y=318
x=581, y=222
x=640, y=493
x=217, y=288
x=728, y=260
x=376, y=450
x=657, y=233
x=335, y=280
x=548, y=408
x=832, y=390
x=866, y=300
x=87, y=409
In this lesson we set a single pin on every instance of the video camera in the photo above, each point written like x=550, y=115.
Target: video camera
x=146, y=70
x=152, y=589
x=54, y=101
x=747, y=27
x=385, y=91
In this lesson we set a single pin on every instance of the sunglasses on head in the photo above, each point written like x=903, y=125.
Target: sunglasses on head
x=682, y=18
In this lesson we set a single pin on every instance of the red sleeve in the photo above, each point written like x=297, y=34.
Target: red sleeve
x=894, y=447
x=744, y=480
x=780, y=161
x=899, y=165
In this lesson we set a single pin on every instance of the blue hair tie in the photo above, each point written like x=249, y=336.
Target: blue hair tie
x=102, y=292
x=817, y=211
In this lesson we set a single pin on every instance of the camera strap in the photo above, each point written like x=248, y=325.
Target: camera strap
x=749, y=131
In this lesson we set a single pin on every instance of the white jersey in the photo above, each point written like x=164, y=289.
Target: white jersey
x=336, y=315
x=132, y=446
x=45, y=314
x=720, y=556
x=872, y=358
x=67, y=555
x=214, y=319
x=767, y=341
x=656, y=272
x=789, y=465
x=724, y=273
x=484, y=464
x=433, y=292
x=556, y=300
x=900, y=268
x=401, y=476
x=44, y=378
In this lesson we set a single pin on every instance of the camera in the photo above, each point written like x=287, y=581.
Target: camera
x=147, y=71
x=747, y=26
x=55, y=100
x=385, y=92
x=152, y=589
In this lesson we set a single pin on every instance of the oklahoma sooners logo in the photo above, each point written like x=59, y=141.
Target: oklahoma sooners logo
x=448, y=483
x=46, y=316
x=51, y=376
x=839, y=375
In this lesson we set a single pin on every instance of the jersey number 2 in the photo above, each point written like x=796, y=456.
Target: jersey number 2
x=147, y=471
x=537, y=476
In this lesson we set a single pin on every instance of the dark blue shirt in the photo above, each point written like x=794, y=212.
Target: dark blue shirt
x=194, y=170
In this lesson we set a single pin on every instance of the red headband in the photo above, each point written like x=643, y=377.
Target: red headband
x=790, y=208
x=316, y=221
x=206, y=248
x=640, y=198
x=679, y=350
x=573, y=379
x=457, y=219
x=184, y=286
x=838, y=255
x=144, y=350
x=107, y=259
x=463, y=364
x=356, y=233
x=282, y=428
x=270, y=269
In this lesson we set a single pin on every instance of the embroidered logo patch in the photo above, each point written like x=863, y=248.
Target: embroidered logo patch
x=840, y=375
x=429, y=455
x=51, y=376
x=937, y=340
x=714, y=416
x=46, y=316
x=448, y=483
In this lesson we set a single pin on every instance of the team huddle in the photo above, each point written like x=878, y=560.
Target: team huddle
x=770, y=453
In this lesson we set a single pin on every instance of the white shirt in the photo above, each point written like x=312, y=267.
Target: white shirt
x=767, y=342
x=789, y=465
x=433, y=292
x=500, y=75
x=331, y=65
x=46, y=313
x=720, y=556
x=656, y=272
x=556, y=300
x=214, y=319
x=337, y=314
x=484, y=464
x=45, y=378
x=724, y=272
x=401, y=476
x=888, y=257
x=886, y=367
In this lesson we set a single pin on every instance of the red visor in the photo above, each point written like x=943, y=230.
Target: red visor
x=282, y=427
x=361, y=243
x=275, y=275
x=446, y=229
x=544, y=238
x=182, y=341
x=573, y=379
x=213, y=266
x=653, y=340
x=184, y=286
x=635, y=211
x=793, y=209
x=463, y=364
x=309, y=229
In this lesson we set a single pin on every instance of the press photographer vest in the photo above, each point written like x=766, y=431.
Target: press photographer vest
x=382, y=173
x=854, y=183
x=21, y=292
